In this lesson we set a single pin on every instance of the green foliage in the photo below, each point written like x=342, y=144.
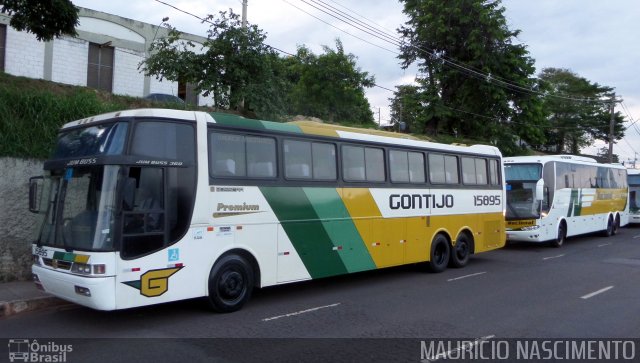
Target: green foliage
x=329, y=86
x=44, y=18
x=455, y=45
x=34, y=110
x=576, y=124
x=407, y=108
x=234, y=65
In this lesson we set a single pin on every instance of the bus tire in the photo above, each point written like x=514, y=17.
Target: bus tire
x=461, y=252
x=616, y=225
x=230, y=284
x=608, y=232
x=439, y=256
x=561, y=237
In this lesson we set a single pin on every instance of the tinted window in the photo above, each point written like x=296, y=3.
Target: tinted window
x=261, y=157
x=242, y=156
x=297, y=159
x=406, y=167
x=474, y=171
x=494, y=176
x=363, y=163
x=324, y=161
x=309, y=160
x=164, y=140
x=94, y=140
x=443, y=169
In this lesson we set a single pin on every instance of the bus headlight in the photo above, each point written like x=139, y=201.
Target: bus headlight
x=81, y=268
x=87, y=269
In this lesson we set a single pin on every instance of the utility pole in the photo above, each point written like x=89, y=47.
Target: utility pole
x=611, y=127
x=244, y=13
x=379, y=118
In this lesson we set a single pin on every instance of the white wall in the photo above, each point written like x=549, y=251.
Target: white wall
x=70, y=57
x=127, y=79
x=24, y=54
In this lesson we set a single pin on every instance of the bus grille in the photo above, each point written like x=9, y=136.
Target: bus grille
x=57, y=264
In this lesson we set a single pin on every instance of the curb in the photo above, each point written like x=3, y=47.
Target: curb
x=8, y=308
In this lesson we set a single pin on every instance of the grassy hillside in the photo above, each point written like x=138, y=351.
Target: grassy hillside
x=33, y=110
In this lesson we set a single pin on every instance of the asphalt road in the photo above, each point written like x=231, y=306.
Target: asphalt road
x=589, y=288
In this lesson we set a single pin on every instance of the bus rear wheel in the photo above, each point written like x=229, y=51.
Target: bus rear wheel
x=439, y=257
x=616, y=225
x=461, y=252
x=230, y=284
x=609, y=231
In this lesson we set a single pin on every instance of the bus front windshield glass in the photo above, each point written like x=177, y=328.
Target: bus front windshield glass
x=521, y=188
x=79, y=209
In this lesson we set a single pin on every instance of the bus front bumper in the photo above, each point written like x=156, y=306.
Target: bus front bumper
x=94, y=292
x=524, y=236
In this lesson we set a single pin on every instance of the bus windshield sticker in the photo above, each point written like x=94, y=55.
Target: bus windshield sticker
x=68, y=174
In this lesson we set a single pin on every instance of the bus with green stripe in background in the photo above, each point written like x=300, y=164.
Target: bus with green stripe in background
x=552, y=197
x=149, y=206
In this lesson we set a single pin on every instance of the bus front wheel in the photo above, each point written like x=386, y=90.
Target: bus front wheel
x=562, y=236
x=230, y=284
x=461, y=252
x=439, y=257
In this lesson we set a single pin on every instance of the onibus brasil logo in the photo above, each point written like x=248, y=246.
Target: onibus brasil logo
x=26, y=350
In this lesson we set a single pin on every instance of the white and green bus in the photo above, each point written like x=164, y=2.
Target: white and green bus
x=634, y=195
x=550, y=198
x=149, y=206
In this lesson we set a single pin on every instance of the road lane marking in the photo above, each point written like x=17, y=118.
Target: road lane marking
x=550, y=257
x=465, y=276
x=605, y=244
x=467, y=346
x=301, y=312
x=638, y=236
x=587, y=296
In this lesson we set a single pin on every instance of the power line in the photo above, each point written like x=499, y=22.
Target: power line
x=465, y=69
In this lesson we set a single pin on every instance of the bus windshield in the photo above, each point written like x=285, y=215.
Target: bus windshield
x=79, y=209
x=521, y=188
x=104, y=139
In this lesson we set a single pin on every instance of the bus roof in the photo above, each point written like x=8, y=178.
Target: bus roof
x=301, y=127
x=345, y=132
x=574, y=159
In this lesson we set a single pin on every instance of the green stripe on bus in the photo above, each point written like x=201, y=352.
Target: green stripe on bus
x=307, y=234
x=239, y=121
x=338, y=224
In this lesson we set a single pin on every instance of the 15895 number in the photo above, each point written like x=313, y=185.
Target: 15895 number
x=480, y=200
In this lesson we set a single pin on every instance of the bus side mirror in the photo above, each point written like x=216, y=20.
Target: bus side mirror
x=129, y=194
x=540, y=190
x=35, y=184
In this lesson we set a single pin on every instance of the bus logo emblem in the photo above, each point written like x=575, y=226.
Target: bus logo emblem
x=154, y=282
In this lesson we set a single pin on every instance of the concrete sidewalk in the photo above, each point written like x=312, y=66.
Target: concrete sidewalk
x=22, y=296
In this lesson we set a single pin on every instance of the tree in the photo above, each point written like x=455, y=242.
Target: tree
x=330, y=86
x=47, y=19
x=407, y=108
x=475, y=81
x=579, y=114
x=234, y=64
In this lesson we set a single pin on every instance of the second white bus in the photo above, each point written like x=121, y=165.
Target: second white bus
x=550, y=198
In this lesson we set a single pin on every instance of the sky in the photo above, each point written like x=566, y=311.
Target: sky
x=596, y=39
